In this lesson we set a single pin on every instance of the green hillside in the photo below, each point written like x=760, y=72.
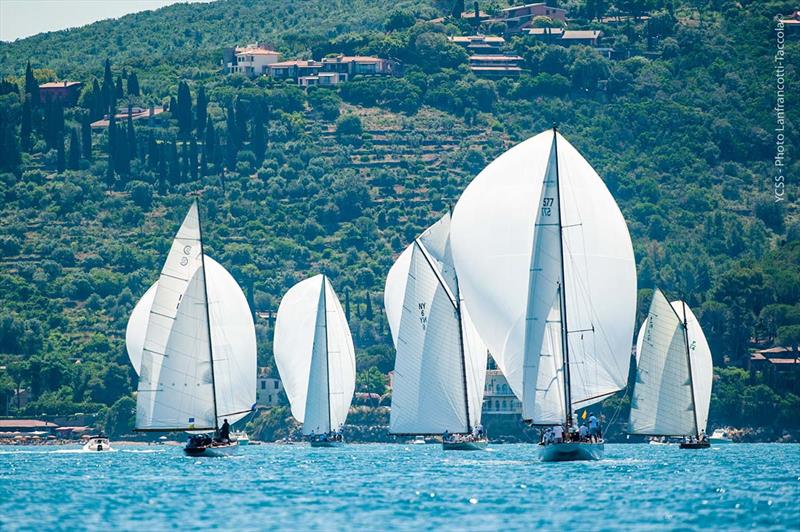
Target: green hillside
x=339, y=181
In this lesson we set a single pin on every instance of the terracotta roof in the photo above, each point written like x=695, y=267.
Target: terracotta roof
x=258, y=51
x=581, y=34
x=59, y=84
x=783, y=361
x=496, y=68
x=297, y=63
x=476, y=39
x=775, y=350
x=25, y=423
x=513, y=8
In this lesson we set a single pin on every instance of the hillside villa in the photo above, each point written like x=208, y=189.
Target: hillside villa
x=566, y=37
x=519, y=18
x=66, y=92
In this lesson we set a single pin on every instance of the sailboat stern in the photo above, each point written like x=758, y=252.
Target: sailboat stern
x=571, y=452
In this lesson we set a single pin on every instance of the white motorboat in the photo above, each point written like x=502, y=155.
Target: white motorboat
x=720, y=436
x=418, y=440
x=241, y=437
x=97, y=443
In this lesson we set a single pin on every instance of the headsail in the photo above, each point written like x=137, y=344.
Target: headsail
x=494, y=241
x=438, y=351
x=315, y=355
x=233, y=338
x=175, y=380
x=663, y=401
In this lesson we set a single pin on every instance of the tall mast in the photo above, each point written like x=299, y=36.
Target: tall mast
x=563, y=294
x=208, y=316
x=327, y=361
x=689, y=362
x=463, y=354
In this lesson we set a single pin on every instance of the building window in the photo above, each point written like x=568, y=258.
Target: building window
x=497, y=406
x=276, y=384
x=263, y=385
x=269, y=399
x=505, y=405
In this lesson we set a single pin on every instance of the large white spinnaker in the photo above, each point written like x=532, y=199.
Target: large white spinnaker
x=233, y=338
x=176, y=389
x=440, y=367
x=315, y=355
x=666, y=400
x=494, y=241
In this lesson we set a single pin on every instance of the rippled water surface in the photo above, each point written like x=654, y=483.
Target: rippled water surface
x=732, y=487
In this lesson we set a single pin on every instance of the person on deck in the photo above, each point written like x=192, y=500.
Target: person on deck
x=583, y=432
x=225, y=431
x=558, y=434
x=446, y=436
x=594, y=428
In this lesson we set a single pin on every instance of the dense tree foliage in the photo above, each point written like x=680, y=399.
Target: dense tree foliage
x=340, y=180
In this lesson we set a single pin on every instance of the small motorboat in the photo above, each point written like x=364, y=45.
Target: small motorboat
x=660, y=441
x=418, y=440
x=241, y=437
x=97, y=443
x=204, y=445
x=720, y=436
x=570, y=451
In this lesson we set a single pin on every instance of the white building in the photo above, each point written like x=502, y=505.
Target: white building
x=267, y=389
x=498, y=397
x=252, y=60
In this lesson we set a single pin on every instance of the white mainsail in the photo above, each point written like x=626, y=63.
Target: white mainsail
x=176, y=390
x=439, y=353
x=667, y=400
x=233, y=339
x=498, y=249
x=315, y=355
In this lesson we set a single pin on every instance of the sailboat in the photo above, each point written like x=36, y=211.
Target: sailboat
x=440, y=367
x=674, y=373
x=316, y=359
x=191, y=339
x=546, y=266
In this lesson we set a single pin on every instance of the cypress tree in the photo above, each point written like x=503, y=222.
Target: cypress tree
x=202, y=111
x=122, y=155
x=230, y=124
x=184, y=112
x=162, y=170
x=96, y=110
x=112, y=140
x=31, y=85
x=61, y=163
x=241, y=123
x=193, y=159
x=131, y=138
x=458, y=8
x=27, y=123
x=119, y=91
x=185, y=170
x=368, y=313
x=207, y=154
x=347, y=303
x=86, y=137
x=108, y=88
x=133, y=84
x=173, y=107
x=74, y=151
x=152, y=152
x=174, y=167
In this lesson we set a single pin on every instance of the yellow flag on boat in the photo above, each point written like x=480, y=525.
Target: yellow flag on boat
x=584, y=415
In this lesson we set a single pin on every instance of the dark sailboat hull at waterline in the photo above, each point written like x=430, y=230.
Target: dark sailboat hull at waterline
x=571, y=452
x=213, y=450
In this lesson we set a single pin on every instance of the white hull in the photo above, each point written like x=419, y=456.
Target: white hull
x=465, y=445
x=213, y=450
x=241, y=438
x=97, y=445
x=570, y=452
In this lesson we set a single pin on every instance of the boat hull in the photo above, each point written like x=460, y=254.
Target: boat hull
x=571, y=452
x=696, y=445
x=213, y=450
x=97, y=445
x=465, y=445
x=327, y=443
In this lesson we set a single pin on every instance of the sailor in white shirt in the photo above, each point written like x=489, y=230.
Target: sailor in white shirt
x=558, y=433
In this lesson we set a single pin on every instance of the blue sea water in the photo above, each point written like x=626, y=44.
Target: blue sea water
x=375, y=487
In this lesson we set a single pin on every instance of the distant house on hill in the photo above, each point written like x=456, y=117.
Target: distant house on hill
x=268, y=389
x=331, y=70
x=518, y=18
x=498, y=398
x=251, y=60
x=792, y=22
x=479, y=44
x=66, y=92
x=495, y=65
x=566, y=37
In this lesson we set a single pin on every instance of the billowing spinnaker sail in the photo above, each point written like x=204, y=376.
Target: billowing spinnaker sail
x=662, y=395
x=395, y=291
x=175, y=383
x=233, y=339
x=493, y=240
x=315, y=355
x=428, y=395
x=702, y=365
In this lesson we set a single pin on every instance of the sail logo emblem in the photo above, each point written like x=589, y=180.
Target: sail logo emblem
x=423, y=318
x=186, y=251
x=693, y=345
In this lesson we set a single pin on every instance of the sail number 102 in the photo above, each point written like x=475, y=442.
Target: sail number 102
x=547, y=206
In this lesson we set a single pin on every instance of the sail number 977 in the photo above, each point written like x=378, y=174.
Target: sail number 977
x=547, y=206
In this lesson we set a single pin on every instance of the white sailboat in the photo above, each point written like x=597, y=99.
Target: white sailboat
x=674, y=374
x=440, y=366
x=546, y=266
x=316, y=359
x=192, y=342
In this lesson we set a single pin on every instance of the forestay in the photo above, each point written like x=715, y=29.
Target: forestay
x=315, y=355
x=175, y=383
x=437, y=353
x=233, y=339
x=493, y=240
